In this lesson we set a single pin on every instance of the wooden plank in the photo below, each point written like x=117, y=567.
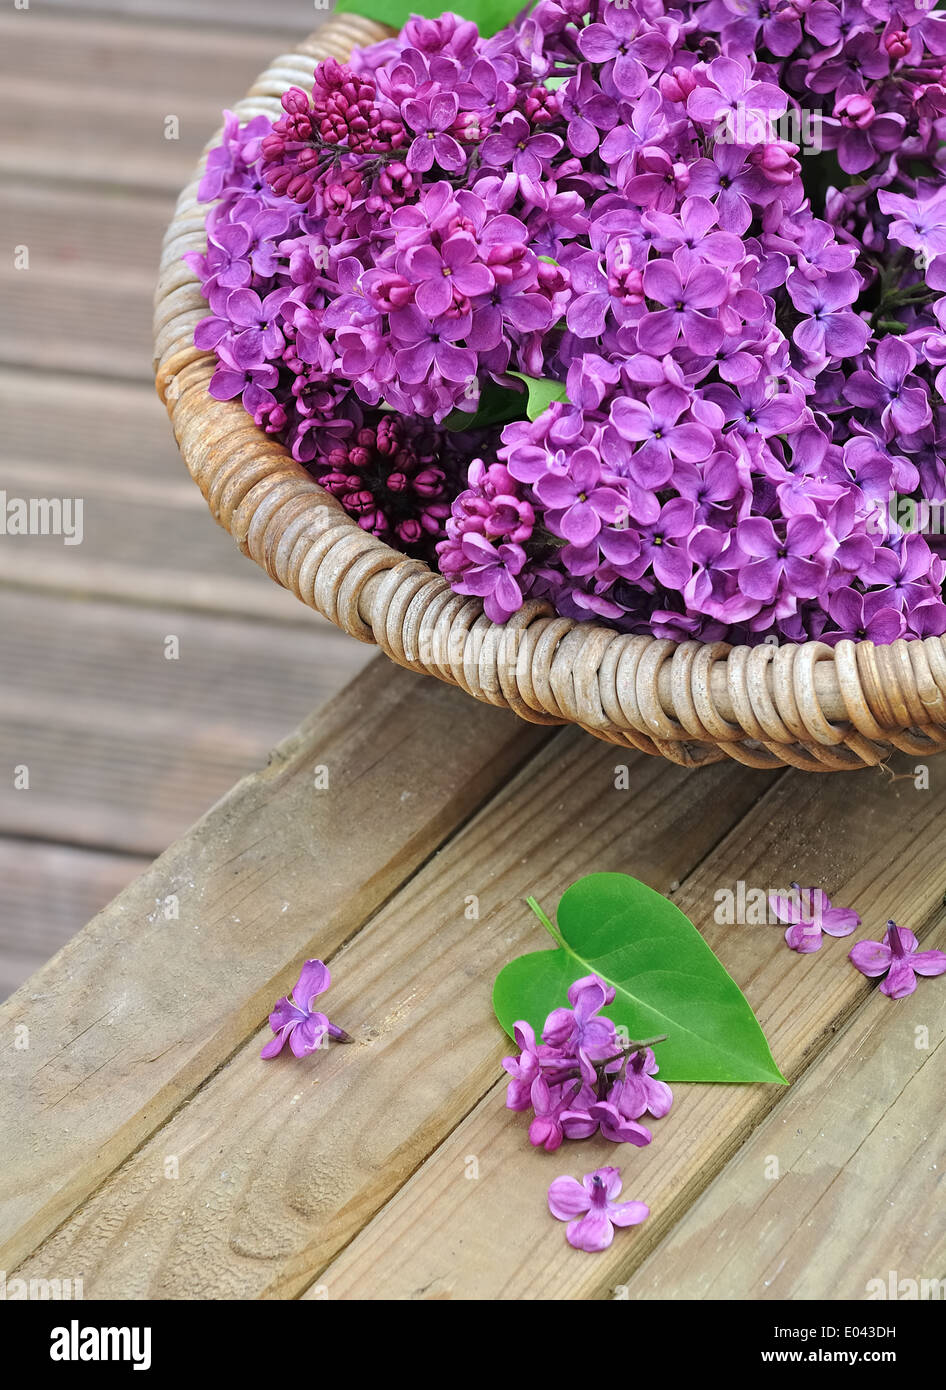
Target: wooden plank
x=126, y=748
x=860, y=1189
x=148, y=537
x=85, y=300
x=79, y=132
x=443, y=1236
x=280, y=1164
x=124, y=56
x=141, y=1007
x=47, y=892
x=99, y=234
x=107, y=90
x=249, y=14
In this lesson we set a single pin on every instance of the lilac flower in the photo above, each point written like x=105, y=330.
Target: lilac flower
x=580, y=1027
x=515, y=144
x=430, y=118
x=808, y=912
x=864, y=617
x=898, y=959
x=580, y=500
x=919, y=223
x=591, y=1208
x=523, y=1069
x=733, y=95
x=490, y=573
x=831, y=329
x=905, y=408
x=440, y=275
x=686, y=296
x=639, y=1093
x=754, y=364
x=293, y=1019
x=779, y=560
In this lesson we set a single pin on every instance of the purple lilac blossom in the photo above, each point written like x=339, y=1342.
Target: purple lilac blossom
x=898, y=960
x=628, y=201
x=581, y=1078
x=591, y=1208
x=293, y=1020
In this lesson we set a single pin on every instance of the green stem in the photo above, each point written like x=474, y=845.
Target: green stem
x=553, y=931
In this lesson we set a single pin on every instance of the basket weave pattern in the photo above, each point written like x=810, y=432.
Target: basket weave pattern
x=808, y=705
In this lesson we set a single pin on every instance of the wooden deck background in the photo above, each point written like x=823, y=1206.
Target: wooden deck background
x=125, y=748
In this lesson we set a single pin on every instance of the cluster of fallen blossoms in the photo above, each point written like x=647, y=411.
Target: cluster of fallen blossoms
x=809, y=912
x=584, y=1079
x=719, y=226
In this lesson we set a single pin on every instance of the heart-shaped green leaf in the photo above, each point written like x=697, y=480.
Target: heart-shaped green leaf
x=667, y=980
x=542, y=392
x=489, y=16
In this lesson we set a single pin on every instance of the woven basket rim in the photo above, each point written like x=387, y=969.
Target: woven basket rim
x=807, y=705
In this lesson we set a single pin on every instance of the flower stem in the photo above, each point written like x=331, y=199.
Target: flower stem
x=552, y=930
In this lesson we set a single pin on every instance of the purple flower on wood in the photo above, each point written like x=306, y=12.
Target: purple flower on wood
x=897, y=958
x=808, y=912
x=293, y=1019
x=639, y=1092
x=591, y=1208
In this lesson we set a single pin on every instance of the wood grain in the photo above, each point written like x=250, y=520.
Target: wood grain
x=87, y=100
x=47, y=892
x=125, y=748
x=443, y=1236
x=140, y=1008
x=280, y=1164
x=860, y=1184
x=221, y=15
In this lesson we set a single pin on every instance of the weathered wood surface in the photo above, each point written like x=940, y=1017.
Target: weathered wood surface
x=44, y=890
x=130, y=721
x=279, y=1166
x=125, y=758
x=143, y=1006
x=348, y=1176
x=436, y=1233
x=857, y=1188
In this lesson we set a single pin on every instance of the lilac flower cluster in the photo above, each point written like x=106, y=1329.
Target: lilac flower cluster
x=581, y=1078
x=624, y=199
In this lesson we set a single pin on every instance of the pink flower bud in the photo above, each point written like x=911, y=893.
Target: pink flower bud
x=898, y=44
x=295, y=102
x=677, y=85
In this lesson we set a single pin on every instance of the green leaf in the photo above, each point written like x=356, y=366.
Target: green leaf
x=542, y=392
x=497, y=405
x=667, y=980
x=488, y=15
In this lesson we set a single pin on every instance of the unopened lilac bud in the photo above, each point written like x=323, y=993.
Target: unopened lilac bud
x=295, y=102
x=898, y=44
x=856, y=110
x=677, y=85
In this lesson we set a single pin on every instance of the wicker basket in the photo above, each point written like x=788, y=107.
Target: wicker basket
x=807, y=705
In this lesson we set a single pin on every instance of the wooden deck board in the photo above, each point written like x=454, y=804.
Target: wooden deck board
x=140, y=1008
x=126, y=748
x=47, y=892
x=443, y=1236
x=263, y=1199
x=860, y=1184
